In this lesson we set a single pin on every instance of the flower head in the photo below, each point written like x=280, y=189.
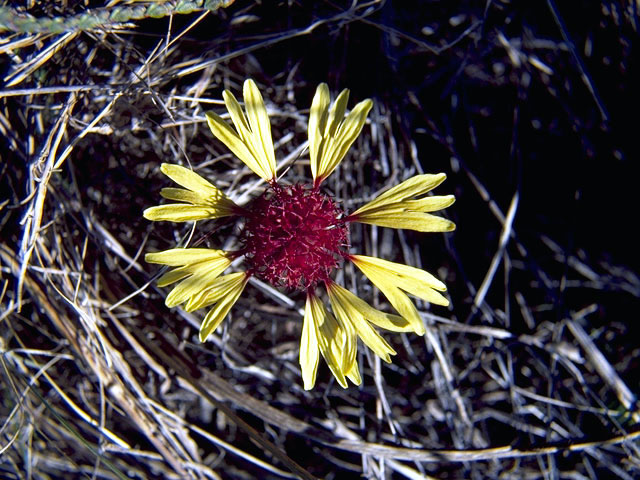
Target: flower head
x=295, y=236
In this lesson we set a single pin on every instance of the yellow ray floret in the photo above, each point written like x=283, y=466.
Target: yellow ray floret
x=222, y=294
x=356, y=315
x=309, y=349
x=399, y=206
x=321, y=332
x=393, y=279
x=330, y=134
x=197, y=270
x=201, y=199
x=251, y=141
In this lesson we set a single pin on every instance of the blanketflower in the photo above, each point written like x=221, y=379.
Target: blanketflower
x=294, y=236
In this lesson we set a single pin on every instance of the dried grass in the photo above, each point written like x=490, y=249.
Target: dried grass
x=530, y=374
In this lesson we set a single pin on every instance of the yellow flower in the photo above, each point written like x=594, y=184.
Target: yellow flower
x=294, y=236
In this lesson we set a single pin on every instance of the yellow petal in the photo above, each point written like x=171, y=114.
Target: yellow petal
x=330, y=134
x=216, y=200
x=349, y=314
x=415, y=281
x=395, y=323
x=260, y=125
x=394, y=269
x=335, y=147
x=182, y=195
x=215, y=290
x=391, y=277
x=226, y=135
x=374, y=341
x=350, y=349
x=203, y=276
x=173, y=276
x=237, y=115
x=421, y=222
x=354, y=375
x=222, y=295
x=422, y=205
x=331, y=338
x=183, y=256
x=309, y=348
x=399, y=208
x=205, y=200
x=187, y=179
x=410, y=188
x=429, y=204
x=180, y=212
x=252, y=143
x=400, y=301
x=198, y=269
x=317, y=122
x=336, y=114
x=251, y=140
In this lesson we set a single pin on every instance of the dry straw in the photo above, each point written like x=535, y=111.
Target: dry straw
x=100, y=379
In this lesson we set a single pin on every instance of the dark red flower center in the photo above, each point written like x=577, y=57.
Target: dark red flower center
x=294, y=236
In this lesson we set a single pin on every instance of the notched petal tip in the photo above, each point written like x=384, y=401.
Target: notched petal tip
x=148, y=213
x=151, y=257
x=354, y=375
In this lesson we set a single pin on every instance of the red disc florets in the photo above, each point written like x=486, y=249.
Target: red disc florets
x=294, y=236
